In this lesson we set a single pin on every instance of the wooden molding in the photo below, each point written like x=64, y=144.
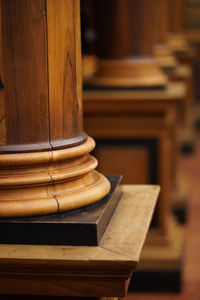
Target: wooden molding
x=128, y=73
x=49, y=182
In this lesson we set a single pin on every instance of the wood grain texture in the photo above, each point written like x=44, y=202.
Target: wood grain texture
x=64, y=61
x=42, y=92
x=25, y=72
x=104, y=270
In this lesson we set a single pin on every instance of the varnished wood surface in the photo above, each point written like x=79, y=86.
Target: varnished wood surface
x=64, y=60
x=125, y=45
x=25, y=72
x=83, y=271
x=43, y=93
x=50, y=182
x=45, y=165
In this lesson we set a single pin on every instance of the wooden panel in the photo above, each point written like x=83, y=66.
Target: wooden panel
x=64, y=61
x=132, y=162
x=25, y=71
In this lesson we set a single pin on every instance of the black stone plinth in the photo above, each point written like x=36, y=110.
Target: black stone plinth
x=81, y=227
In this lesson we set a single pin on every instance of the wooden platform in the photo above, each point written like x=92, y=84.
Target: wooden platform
x=103, y=270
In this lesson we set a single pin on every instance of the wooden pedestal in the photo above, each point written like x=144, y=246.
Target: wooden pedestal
x=186, y=136
x=78, y=271
x=136, y=136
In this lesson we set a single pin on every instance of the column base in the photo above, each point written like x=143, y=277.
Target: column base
x=165, y=58
x=41, y=183
x=84, y=227
x=128, y=73
x=178, y=44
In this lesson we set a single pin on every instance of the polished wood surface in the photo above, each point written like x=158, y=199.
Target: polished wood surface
x=41, y=89
x=103, y=270
x=64, y=60
x=25, y=73
x=125, y=45
x=45, y=166
x=47, y=182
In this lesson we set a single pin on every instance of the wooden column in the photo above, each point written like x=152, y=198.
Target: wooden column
x=160, y=24
x=88, y=30
x=176, y=41
x=44, y=162
x=126, y=45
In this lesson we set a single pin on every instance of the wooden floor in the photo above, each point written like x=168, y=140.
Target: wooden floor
x=189, y=166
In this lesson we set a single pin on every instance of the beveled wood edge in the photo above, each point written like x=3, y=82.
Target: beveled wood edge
x=131, y=245
x=174, y=91
x=111, y=253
